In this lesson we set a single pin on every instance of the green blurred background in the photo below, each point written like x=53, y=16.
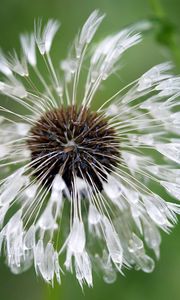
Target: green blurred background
x=161, y=43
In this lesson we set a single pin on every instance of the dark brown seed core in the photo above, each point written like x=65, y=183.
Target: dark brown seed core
x=73, y=142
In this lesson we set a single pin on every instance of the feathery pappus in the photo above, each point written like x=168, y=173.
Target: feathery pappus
x=83, y=183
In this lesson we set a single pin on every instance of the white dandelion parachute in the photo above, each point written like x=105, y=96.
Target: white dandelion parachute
x=72, y=176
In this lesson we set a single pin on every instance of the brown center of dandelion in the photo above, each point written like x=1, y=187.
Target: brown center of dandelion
x=73, y=142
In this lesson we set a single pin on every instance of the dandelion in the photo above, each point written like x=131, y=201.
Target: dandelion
x=81, y=183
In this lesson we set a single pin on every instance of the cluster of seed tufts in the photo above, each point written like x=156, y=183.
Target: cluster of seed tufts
x=73, y=142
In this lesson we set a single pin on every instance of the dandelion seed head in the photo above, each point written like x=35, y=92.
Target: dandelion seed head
x=97, y=185
x=77, y=142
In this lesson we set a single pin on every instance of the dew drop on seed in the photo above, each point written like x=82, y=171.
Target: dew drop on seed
x=110, y=276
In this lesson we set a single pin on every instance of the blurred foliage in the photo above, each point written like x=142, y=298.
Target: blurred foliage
x=161, y=43
x=167, y=31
